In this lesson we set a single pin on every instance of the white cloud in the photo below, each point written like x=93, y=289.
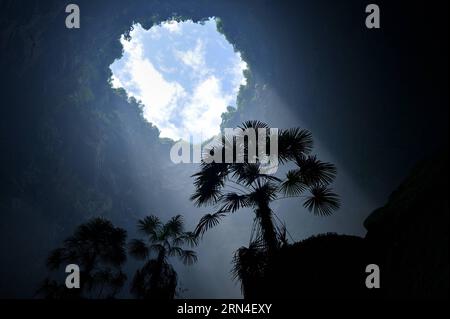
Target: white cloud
x=206, y=105
x=172, y=26
x=183, y=94
x=194, y=58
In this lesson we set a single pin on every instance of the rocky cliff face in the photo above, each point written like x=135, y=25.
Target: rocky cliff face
x=409, y=235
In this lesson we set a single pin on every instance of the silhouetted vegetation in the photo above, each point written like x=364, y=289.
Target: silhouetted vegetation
x=326, y=266
x=98, y=248
x=157, y=278
x=323, y=266
x=73, y=148
x=234, y=185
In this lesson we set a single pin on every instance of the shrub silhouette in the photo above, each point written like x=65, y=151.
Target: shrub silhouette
x=157, y=278
x=232, y=185
x=98, y=248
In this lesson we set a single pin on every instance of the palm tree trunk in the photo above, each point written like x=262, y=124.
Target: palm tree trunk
x=264, y=213
x=156, y=278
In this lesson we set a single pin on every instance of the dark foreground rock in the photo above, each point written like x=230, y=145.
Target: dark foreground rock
x=407, y=238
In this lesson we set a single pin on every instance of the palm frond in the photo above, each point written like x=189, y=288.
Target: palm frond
x=314, y=171
x=294, y=184
x=188, y=257
x=248, y=173
x=175, y=251
x=253, y=124
x=150, y=225
x=322, y=201
x=174, y=226
x=209, y=182
x=245, y=173
x=244, y=145
x=188, y=238
x=293, y=143
x=263, y=194
x=224, y=144
x=138, y=249
x=249, y=263
x=233, y=202
x=208, y=221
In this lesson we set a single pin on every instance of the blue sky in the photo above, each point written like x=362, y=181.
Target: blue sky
x=185, y=74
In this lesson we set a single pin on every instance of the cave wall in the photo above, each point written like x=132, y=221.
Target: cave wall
x=409, y=235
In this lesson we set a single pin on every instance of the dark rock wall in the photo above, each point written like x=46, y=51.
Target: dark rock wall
x=410, y=233
x=407, y=238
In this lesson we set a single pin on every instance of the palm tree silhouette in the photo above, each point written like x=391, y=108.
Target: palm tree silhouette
x=157, y=278
x=235, y=185
x=98, y=248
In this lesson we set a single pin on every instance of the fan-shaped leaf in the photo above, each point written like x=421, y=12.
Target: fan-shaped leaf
x=322, y=201
x=150, y=225
x=293, y=143
x=174, y=227
x=188, y=257
x=233, y=202
x=138, y=249
x=314, y=171
x=208, y=221
x=294, y=184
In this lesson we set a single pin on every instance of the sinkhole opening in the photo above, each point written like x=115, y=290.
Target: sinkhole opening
x=185, y=74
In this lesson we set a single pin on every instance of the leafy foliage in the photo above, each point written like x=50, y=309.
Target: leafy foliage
x=232, y=186
x=157, y=278
x=98, y=248
x=322, y=201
